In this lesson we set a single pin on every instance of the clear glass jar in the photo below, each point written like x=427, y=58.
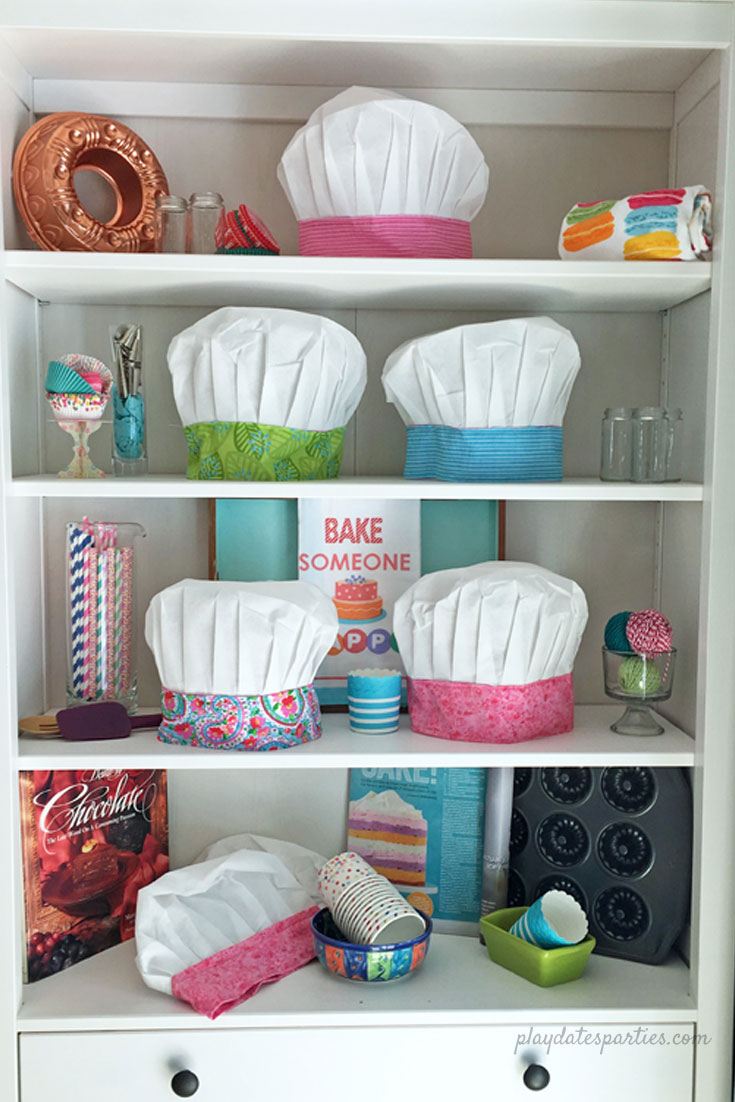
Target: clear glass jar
x=650, y=443
x=674, y=424
x=102, y=619
x=205, y=210
x=615, y=461
x=129, y=456
x=171, y=217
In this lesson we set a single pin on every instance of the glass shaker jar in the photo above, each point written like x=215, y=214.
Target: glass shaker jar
x=101, y=612
x=650, y=441
x=673, y=445
x=205, y=210
x=170, y=224
x=615, y=462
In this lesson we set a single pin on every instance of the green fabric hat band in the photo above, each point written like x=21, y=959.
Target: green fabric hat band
x=253, y=452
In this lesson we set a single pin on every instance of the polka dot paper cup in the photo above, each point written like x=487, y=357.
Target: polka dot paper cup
x=342, y=874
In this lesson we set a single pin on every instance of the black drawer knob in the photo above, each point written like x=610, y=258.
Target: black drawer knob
x=185, y=1083
x=536, y=1077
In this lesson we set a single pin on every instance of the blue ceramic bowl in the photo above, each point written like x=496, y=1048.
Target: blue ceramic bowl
x=371, y=963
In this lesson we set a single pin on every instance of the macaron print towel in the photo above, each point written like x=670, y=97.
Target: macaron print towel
x=670, y=224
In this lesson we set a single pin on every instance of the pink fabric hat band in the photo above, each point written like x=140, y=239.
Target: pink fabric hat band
x=409, y=235
x=466, y=712
x=233, y=975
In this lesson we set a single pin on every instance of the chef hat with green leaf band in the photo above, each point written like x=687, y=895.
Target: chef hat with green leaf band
x=265, y=394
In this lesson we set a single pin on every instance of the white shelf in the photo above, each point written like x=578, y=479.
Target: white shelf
x=178, y=486
x=457, y=985
x=591, y=743
x=366, y=283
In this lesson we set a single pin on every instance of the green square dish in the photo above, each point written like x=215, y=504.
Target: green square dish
x=545, y=967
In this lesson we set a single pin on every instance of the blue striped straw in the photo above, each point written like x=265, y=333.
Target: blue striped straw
x=78, y=540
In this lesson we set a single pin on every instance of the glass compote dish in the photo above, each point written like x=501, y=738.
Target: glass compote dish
x=638, y=680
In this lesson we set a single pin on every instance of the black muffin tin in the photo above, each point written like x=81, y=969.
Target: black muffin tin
x=618, y=839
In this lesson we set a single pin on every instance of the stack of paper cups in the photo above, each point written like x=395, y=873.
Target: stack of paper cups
x=554, y=920
x=366, y=907
x=374, y=701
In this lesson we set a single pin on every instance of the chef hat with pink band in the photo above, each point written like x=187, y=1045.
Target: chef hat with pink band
x=375, y=174
x=489, y=651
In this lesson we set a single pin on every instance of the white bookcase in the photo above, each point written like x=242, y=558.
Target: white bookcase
x=570, y=100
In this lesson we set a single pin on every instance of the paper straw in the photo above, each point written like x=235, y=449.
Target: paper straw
x=90, y=624
x=110, y=555
x=118, y=625
x=126, y=614
x=101, y=625
x=78, y=541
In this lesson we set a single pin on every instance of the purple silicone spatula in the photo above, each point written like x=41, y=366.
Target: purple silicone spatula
x=103, y=720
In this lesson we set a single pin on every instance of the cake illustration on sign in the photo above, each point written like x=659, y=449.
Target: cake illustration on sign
x=356, y=598
x=390, y=834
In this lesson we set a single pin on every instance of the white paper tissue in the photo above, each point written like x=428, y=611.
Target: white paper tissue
x=497, y=623
x=511, y=373
x=239, y=638
x=370, y=152
x=274, y=367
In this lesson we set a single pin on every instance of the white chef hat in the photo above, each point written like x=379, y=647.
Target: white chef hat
x=372, y=173
x=489, y=399
x=490, y=648
x=237, y=661
x=257, y=386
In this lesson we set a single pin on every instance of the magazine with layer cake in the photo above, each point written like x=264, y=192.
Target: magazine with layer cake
x=91, y=839
x=423, y=830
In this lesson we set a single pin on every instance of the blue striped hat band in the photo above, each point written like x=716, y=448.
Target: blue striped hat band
x=529, y=454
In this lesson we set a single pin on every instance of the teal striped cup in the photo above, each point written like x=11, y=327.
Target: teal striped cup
x=374, y=701
x=554, y=920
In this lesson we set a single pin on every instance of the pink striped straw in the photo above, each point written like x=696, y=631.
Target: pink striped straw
x=89, y=685
x=126, y=630
x=112, y=642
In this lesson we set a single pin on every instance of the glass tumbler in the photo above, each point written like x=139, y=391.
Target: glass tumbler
x=170, y=224
x=650, y=444
x=615, y=460
x=205, y=210
x=673, y=445
x=101, y=613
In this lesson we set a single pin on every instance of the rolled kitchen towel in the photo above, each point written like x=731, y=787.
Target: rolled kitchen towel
x=668, y=224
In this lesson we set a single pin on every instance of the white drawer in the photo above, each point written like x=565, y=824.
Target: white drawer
x=362, y=1065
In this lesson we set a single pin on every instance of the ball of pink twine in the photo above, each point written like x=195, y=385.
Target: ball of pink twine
x=649, y=632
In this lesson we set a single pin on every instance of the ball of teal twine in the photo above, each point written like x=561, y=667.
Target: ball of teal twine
x=638, y=677
x=615, y=636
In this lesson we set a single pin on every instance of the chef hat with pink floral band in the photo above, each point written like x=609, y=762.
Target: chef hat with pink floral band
x=237, y=662
x=489, y=651
x=375, y=174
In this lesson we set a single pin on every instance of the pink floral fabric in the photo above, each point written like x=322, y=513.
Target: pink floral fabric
x=465, y=712
x=233, y=975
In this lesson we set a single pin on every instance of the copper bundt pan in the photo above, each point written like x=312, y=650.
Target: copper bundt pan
x=58, y=146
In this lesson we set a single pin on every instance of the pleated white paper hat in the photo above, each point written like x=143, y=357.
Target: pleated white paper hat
x=368, y=162
x=510, y=373
x=239, y=638
x=274, y=367
x=497, y=623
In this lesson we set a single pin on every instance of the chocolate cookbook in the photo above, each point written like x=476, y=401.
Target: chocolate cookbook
x=91, y=839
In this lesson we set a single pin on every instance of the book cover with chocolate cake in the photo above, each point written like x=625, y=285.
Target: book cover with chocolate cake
x=91, y=839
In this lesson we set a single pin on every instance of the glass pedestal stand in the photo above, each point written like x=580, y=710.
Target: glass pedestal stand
x=638, y=681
